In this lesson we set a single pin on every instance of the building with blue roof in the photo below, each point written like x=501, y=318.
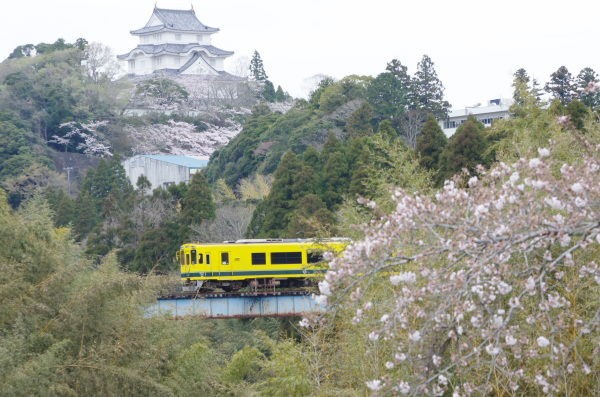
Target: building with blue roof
x=176, y=42
x=162, y=170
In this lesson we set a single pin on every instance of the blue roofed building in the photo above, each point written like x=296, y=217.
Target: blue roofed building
x=162, y=170
x=175, y=42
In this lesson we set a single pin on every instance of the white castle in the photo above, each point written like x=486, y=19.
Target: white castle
x=176, y=42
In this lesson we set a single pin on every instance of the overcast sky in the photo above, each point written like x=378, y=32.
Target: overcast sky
x=476, y=45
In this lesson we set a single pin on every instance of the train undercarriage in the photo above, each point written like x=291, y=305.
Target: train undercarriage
x=257, y=284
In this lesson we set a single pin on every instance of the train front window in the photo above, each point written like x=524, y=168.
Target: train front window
x=187, y=259
x=194, y=257
x=315, y=256
x=259, y=258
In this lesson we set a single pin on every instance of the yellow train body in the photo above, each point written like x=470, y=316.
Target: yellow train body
x=239, y=262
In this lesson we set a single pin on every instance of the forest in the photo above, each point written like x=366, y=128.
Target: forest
x=473, y=268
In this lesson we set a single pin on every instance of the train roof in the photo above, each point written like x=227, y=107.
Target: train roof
x=278, y=241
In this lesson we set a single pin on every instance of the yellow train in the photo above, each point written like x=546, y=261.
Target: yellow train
x=232, y=265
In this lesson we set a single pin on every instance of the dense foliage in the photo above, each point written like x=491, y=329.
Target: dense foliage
x=484, y=285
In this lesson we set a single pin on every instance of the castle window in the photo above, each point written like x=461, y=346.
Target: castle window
x=156, y=36
x=132, y=64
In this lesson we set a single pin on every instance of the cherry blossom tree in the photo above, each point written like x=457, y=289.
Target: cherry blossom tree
x=490, y=287
x=85, y=137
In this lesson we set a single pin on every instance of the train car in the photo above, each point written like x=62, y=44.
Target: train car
x=232, y=265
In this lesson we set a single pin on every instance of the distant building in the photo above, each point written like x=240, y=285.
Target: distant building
x=175, y=41
x=495, y=109
x=162, y=170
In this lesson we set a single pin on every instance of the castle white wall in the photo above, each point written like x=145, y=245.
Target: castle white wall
x=175, y=38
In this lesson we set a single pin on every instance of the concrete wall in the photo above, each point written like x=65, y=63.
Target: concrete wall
x=486, y=118
x=159, y=173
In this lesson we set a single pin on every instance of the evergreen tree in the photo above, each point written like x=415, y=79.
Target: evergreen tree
x=197, y=203
x=520, y=81
x=360, y=121
x=589, y=97
x=387, y=130
x=268, y=92
x=577, y=112
x=465, y=149
x=561, y=85
x=400, y=71
x=335, y=179
x=280, y=95
x=428, y=90
x=388, y=97
x=257, y=70
x=143, y=184
x=430, y=144
x=291, y=180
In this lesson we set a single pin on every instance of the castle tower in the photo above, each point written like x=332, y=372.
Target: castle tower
x=175, y=41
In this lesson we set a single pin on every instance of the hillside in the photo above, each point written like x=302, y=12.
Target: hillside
x=473, y=267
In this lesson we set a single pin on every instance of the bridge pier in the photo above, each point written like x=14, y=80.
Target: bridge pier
x=227, y=306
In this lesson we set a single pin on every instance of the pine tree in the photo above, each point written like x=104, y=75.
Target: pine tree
x=428, y=90
x=520, y=81
x=268, y=92
x=400, y=71
x=257, y=70
x=388, y=97
x=280, y=95
x=360, y=121
x=387, y=130
x=588, y=96
x=291, y=180
x=465, y=149
x=430, y=144
x=561, y=85
x=198, y=204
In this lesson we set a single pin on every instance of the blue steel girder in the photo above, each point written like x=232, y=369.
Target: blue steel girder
x=236, y=306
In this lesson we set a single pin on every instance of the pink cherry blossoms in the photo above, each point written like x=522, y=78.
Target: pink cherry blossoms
x=493, y=288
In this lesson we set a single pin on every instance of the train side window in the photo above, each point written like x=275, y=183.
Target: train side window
x=315, y=256
x=225, y=258
x=200, y=259
x=187, y=259
x=194, y=257
x=286, y=258
x=259, y=258
x=208, y=259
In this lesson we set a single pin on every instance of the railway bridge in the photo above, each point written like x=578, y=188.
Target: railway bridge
x=236, y=305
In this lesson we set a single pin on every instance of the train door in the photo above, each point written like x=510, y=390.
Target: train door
x=207, y=263
x=225, y=263
x=185, y=260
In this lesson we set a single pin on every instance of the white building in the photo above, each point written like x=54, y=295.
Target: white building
x=175, y=41
x=486, y=113
x=162, y=170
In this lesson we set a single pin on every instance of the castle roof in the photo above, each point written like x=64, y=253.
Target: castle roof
x=169, y=48
x=175, y=20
